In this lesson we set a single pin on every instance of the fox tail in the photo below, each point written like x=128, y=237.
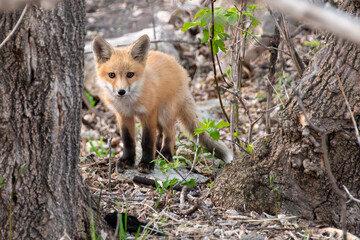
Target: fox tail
x=189, y=121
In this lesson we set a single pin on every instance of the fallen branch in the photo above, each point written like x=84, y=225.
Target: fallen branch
x=151, y=182
x=198, y=204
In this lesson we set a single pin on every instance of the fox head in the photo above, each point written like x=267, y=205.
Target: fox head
x=121, y=70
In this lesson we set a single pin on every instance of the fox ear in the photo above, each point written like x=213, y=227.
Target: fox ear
x=140, y=48
x=102, y=50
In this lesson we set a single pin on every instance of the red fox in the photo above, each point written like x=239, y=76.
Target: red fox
x=153, y=87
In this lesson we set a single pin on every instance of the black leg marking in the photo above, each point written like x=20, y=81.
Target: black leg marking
x=147, y=144
x=159, y=141
x=128, y=158
x=166, y=150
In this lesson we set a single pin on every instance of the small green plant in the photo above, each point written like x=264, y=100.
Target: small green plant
x=93, y=227
x=249, y=148
x=164, y=167
x=282, y=83
x=275, y=192
x=100, y=149
x=2, y=183
x=223, y=17
x=90, y=98
x=209, y=184
x=261, y=96
x=314, y=45
x=211, y=128
x=161, y=187
x=305, y=233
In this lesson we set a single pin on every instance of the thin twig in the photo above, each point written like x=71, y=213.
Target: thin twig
x=110, y=140
x=237, y=95
x=161, y=155
x=262, y=44
x=221, y=72
x=351, y=113
x=153, y=21
x=252, y=126
x=239, y=146
x=194, y=160
x=98, y=208
x=16, y=25
x=352, y=198
x=286, y=36
x=213, y=61
x=271, y=76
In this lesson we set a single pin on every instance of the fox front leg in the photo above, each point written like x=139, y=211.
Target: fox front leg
x=127, y=129
x=148, y=143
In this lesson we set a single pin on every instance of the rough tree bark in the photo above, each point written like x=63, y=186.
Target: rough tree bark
x=293, y=153
x=41, y=73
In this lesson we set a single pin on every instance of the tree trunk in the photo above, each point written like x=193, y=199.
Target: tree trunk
x=41, y=74
x=293, y=154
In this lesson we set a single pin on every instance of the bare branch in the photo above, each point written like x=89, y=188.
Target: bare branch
x=16, y=25
x=352, y=198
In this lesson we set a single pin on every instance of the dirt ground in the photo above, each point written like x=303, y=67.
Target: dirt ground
x=114, y=18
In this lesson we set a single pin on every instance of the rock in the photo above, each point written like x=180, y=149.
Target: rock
x=252, y=236
x=163, y=16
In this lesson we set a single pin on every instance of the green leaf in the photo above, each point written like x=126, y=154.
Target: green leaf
x=24, y=168
x=221, y=45
x=226, y=35
x=221, y=36
x=200, y=14
x=209, y=184
x=205, y=20
x=199, y=130
x=222, y=124
x=206, y=36
x=272, y=180
x=232, y=17
x=212, y=124
x=254, y=21
x=252, y=7
x=249, y=148
x=204, y=124
x=228, y=72
x=2, y=184
x=191, y=181
x=215, y=48
x=173, y=181
x=214, y=134
x=219, y=23
x=188, y=25
x=207, y=121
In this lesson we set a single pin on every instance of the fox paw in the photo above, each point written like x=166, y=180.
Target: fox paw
x=125, y=163
x=145, y=167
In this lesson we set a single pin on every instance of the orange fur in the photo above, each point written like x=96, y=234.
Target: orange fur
x=158, y=93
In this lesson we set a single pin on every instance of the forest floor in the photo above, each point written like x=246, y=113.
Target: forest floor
x=111, y=18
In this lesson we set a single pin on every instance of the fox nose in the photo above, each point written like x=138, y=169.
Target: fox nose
x=121, y=92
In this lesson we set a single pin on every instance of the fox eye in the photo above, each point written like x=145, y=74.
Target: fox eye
x=130, y=74
x=111, y=75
